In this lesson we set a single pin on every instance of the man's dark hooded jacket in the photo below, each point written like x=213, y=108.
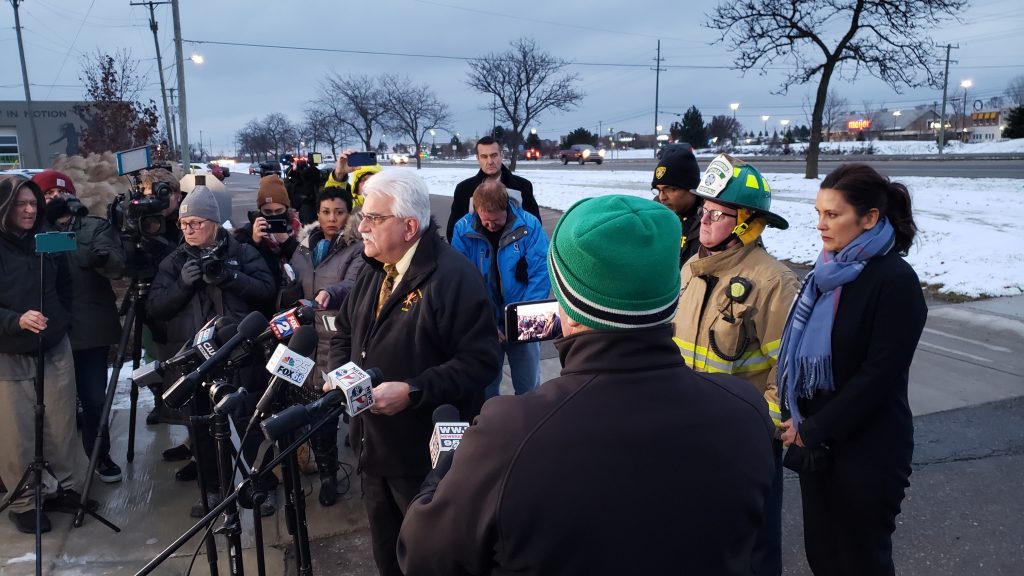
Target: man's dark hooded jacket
x=518, y=188
x=436, y=332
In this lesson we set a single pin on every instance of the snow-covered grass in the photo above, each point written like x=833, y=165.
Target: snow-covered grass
x=876, y=147
x=969, y=241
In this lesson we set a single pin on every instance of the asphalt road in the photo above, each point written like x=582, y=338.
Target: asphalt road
x=1006, y=167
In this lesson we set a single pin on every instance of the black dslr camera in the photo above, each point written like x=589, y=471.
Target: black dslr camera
x=214, y=270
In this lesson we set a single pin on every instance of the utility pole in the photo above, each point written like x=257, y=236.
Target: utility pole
x=174, y=117
x=159, y=66
x=28, y=92
x=657, y=81
x=186, y=160
x=945, y=85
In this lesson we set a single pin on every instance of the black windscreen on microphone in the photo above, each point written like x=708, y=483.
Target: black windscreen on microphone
x=446, y=413
x=252, y=325
x=304, y=341
x=305, y=314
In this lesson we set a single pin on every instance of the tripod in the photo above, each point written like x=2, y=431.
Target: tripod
x=33, y=475
x=133, y=308
x=250, y=488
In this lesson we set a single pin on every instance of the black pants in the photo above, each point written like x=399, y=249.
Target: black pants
x=767, y=558
x=91, y=382
x=386, y=499
x=849, y=517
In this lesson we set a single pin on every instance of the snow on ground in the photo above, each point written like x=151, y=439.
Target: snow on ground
x=969, y=242
x=877, y=147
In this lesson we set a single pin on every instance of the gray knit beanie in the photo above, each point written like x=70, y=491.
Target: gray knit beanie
x=200, y=203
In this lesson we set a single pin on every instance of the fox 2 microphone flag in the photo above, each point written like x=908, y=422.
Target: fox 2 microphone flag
x=448, y=431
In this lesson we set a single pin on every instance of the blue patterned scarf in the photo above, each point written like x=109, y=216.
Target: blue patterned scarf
x=320, y=251
x=805, y=359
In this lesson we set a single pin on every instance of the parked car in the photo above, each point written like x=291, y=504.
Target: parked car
x=531, y=154
x=270, y=167
x=582, y=153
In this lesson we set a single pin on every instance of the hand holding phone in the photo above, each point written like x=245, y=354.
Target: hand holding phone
x=356, y=159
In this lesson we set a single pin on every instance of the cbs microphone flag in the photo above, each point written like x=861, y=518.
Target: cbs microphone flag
x=355, y=383
x=289, y=365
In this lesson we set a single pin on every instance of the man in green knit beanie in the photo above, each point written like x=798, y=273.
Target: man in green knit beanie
x=629, y=462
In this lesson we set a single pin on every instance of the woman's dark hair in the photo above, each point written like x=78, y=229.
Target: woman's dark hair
x=864, y=188
x=334, y=193
x=10, y=187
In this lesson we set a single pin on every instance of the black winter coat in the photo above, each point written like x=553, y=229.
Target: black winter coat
x=186, y=308
x=867, y=420
x=464, y=191
x=19, y=293
x=436, y=333
x=629, y=463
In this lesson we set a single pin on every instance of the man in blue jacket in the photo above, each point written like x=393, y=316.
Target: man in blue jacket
x=508, y=246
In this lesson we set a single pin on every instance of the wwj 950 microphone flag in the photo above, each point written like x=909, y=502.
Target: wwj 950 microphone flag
x=448, y=431
x=290, y=364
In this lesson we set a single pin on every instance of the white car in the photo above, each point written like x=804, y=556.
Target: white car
x=397, y=159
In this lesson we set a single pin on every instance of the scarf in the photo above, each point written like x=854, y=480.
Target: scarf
x=805, y=359
x=320, y=251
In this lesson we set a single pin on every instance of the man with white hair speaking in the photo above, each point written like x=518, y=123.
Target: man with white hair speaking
x=419, y=312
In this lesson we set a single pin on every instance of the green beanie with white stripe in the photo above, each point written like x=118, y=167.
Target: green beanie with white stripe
x=614, y=262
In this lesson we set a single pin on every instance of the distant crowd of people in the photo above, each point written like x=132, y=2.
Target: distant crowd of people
x=742, y=368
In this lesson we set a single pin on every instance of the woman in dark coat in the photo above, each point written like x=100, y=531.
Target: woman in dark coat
x=844, y=369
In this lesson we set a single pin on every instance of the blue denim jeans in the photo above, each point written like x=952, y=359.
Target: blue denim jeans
x=91, y=381
x=523, y=362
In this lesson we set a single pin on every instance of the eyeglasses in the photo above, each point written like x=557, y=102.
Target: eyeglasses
x=193, y=225
x=713, y=215
x=375, y=219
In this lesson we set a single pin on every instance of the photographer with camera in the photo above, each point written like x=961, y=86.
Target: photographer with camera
x=95, y=327
x=211, y=274
x=303, y=181
x=24, y=330
x=272, y=230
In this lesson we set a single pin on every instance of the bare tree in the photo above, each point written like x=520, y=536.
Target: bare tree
x=833, y=111
x=412, y=110
x=279, y=131
x=1015, y=91
x=722, y=128
x=335, y=133
x=114, y=118
x=356, y=101
x=820, y=38
x=525, y=82
x=312, y=128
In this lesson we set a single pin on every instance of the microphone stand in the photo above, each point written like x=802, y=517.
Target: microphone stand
x=220, y=431
x=246, y=487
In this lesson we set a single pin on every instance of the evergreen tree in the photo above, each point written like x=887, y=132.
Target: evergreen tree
x=1014, y=123
x=580, y=136
x=692, y=130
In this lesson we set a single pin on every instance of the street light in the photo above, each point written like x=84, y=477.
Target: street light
x=784, y=122
x=197, y=58
x=764, y=119
x=432, y=134
x=896, y=115
x=965, y=85
x=734, y=107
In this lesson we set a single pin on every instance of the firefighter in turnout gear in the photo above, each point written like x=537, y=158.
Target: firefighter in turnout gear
x=733, y=306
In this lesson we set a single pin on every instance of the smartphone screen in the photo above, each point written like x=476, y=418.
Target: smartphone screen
x=277, y=225
x=362, y=159
x=316, y=158
x=532, y=321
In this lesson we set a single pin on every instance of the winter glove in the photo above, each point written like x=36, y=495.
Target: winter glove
x=521, y=274
x=191, y=273
x=219, y=276
x=97, y=258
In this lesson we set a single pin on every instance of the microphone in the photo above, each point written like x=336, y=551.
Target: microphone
x=299, y=415
x=356, y=384
x=448, y=431
x=248, y=329
x=284, y=324
x=289, y=364
x=202, y=346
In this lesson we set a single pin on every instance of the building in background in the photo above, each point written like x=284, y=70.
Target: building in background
x=58, y=126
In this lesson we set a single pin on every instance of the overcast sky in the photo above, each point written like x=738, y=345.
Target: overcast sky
x=237, y=84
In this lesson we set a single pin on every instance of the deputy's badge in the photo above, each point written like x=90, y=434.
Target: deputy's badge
x=716, y=177
x=659, y=173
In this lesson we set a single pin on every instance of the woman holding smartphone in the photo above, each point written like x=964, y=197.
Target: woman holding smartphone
x=844, y=371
